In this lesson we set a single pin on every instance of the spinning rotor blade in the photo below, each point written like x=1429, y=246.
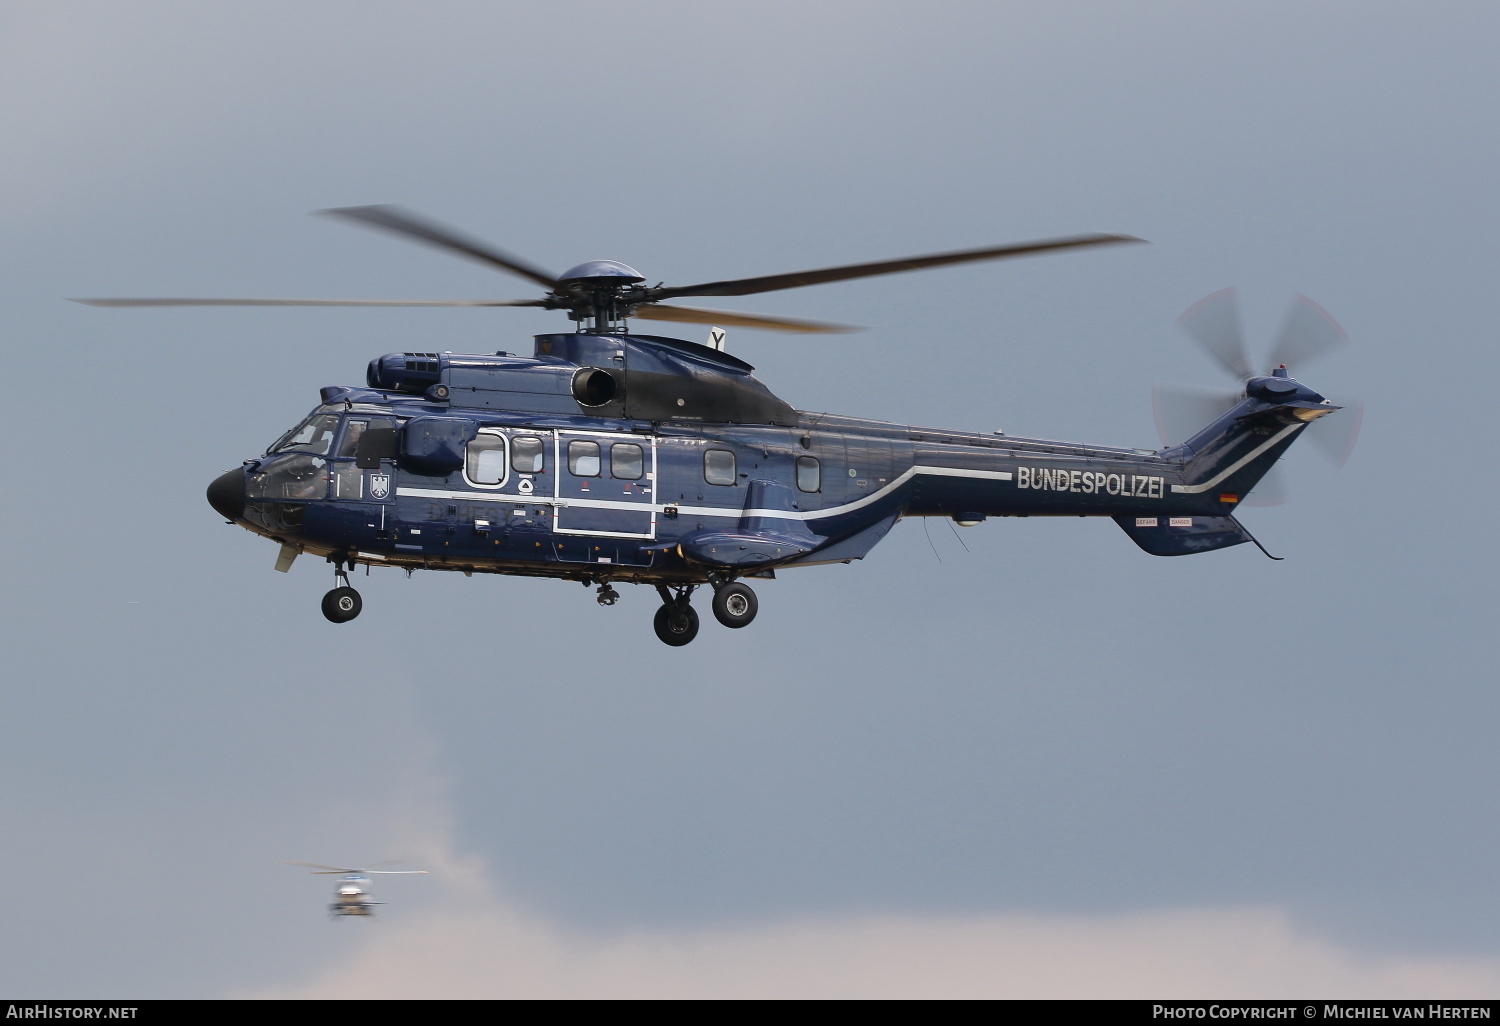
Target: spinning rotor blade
x=1214, y=322
x=1181, y=412
x=1334, y=436
x=393, y=872
x=1271, y=490
x=318, y=865
x=1308, y=333
x=393, y=219
x=309, y=302
x=772, y=282
x=658, y=312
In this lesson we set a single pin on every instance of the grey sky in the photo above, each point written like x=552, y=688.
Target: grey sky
x=1050, y=722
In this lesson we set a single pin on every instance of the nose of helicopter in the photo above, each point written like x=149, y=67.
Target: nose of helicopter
x=227, y=494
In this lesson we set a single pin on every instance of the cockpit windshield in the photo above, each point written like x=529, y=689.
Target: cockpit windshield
x=314, y=435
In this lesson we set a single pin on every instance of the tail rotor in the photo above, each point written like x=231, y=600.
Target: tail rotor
x=1308, y=333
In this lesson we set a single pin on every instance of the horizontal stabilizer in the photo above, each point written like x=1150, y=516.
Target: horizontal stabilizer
x=1183, y=536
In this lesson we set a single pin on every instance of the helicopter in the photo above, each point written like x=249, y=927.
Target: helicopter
x=609, y=456
x=352, y=895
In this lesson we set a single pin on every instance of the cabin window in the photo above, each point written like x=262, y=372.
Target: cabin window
x=484, y=459
x=314, y=435
x=526, y=454
x=809, y=474
x=350, y=442
x=718, y=467
x=583, y=459
x=627, y=461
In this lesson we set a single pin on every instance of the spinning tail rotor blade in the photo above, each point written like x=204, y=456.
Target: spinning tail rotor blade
x=1271, y=490
x=308, y=302
x=797, y=279
x=1308, y=333
x=1181, y=412
x=1334, y=436
x=660, y=312
x=393, y=219
x=1214, y=322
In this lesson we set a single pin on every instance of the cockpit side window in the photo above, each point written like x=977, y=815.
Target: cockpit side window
x=376, y=442
x=350, y=442
x=314, y=435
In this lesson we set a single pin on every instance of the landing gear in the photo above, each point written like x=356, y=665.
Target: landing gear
x=676, y=622
x=343, y=603
x=735, y=604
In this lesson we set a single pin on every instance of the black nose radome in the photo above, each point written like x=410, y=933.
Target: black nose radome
x=227, y=494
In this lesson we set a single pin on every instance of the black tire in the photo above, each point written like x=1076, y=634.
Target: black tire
x=342, y=605
x=676, y=625
x=735, y=605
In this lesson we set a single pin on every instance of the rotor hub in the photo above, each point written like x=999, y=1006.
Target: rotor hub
x=601, y=272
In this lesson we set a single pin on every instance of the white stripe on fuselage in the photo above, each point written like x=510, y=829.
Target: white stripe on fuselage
x=1237, y=464
x=712, y=511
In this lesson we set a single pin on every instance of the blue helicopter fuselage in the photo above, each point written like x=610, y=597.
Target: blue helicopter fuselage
x=637, y=458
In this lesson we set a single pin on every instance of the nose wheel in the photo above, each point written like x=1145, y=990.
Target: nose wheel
x=343, y=603
x=676, y=622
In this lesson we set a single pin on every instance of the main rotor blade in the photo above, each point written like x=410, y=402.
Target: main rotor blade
x=659, y=312
x=772, y=282
x=1181, y=412
x=1214, y=322
x=1334, y=436
x=319, y=865
x=393, y=219
x=1309, y=332
x=309, y=302
x=394, y=872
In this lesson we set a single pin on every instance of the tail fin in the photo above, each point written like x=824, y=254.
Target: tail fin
x=1226, y=459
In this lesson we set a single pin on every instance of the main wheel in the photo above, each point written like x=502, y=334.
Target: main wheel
x=676, y=624
x=735, y=605
x=342, y=604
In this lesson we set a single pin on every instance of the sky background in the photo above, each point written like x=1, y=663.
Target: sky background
x=1036, y=761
